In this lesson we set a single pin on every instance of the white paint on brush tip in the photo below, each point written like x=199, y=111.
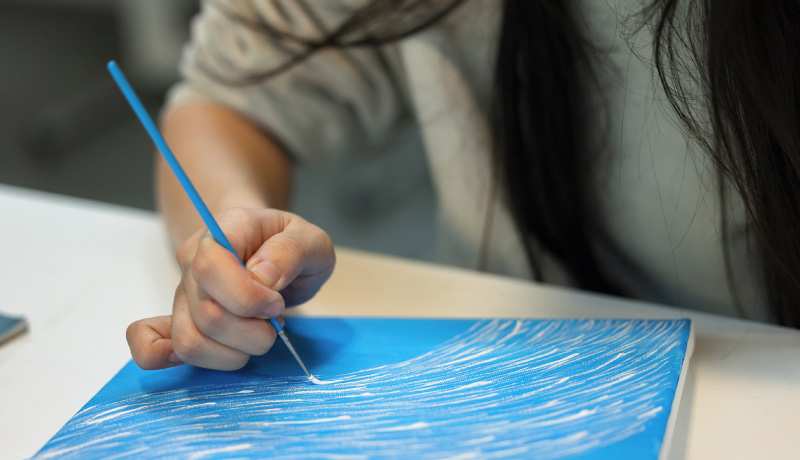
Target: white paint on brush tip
x=317, y=381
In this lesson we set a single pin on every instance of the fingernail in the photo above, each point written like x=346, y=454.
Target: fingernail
x=267, y=273
x=273, y=308
x=173, y=358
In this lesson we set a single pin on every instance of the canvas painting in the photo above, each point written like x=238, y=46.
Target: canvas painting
x=405, y=388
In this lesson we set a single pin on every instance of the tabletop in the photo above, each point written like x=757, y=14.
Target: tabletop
x=81, y=271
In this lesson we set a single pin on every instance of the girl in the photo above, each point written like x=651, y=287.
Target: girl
x=645, y=148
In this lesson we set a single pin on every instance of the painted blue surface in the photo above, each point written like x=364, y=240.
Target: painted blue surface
x=586, y=389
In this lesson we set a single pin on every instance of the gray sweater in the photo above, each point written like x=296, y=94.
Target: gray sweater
x=660, y=192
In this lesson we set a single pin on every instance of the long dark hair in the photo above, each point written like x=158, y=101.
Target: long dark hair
x=745, y=58
x=742, y=56
x=541, y=119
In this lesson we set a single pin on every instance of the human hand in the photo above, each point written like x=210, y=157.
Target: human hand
x=219, y=310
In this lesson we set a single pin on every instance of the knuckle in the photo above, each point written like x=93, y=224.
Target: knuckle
x=276, y=216
x=291, y=244
x=188, y=346
x=184, y=253
x=201, y=266
x=179, y=299
x=187, y=249
x=275, y=221
x=322, y=241
x=209, y=318
x=179, y=294
x=130, y=335
x=247, y=302
x=140, y=357
x=146, y=363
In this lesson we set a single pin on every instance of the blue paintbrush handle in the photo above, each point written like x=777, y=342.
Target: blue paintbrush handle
x=158, y=139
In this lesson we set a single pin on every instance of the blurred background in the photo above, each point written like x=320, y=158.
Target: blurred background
x=65, y=128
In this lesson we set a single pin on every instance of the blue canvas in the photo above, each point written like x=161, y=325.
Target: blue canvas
x=403, y=388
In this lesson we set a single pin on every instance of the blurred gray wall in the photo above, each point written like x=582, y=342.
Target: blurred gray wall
x=65, y=129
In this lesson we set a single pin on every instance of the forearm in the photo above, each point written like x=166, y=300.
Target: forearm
x=230, y=161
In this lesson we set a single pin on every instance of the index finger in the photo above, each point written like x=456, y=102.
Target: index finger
x=222, y=277
x=300, y=249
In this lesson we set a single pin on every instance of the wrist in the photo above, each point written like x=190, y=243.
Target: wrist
x=241, y=197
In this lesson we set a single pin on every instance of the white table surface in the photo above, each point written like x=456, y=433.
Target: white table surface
x=82, y=271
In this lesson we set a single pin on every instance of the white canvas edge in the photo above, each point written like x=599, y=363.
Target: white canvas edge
x=673, y=415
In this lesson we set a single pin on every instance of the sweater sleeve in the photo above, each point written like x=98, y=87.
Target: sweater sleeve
x=334, y=102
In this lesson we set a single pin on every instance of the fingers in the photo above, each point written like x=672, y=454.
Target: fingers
x=300, y=256
x=281, y=249
x=219, y=273
x=193, y=347
x=220, y=306
x=249, y=335
x=150, y=341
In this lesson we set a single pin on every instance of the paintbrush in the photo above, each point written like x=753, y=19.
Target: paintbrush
x=201, y=207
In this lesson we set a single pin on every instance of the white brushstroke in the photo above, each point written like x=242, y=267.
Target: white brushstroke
x=219, y=450
x=130, y=453
x=569, y=418
x=77, y=447
x=413, y=426
x=112, y=416
x=317, y=381
x=482, y=440
x=651, y=413
x=503, y=389
x=316, y=420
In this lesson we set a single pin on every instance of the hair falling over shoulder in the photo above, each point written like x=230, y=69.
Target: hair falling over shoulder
x=733, y=62
x=730, y=70
x=745, y=57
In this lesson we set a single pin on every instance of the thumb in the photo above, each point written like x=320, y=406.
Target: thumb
x=150, y=341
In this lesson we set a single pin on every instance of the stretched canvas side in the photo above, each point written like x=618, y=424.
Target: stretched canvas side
x=673, y=415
